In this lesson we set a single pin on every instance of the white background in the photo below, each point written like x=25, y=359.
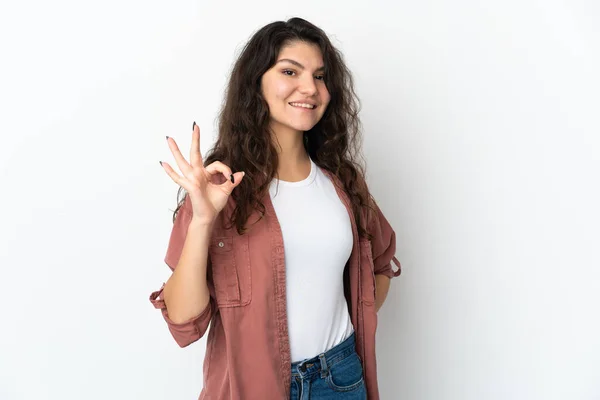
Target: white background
x=481, y=123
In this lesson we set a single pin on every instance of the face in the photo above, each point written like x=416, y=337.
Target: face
x=294, y=88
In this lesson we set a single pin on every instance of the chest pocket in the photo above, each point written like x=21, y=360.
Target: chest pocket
x=367, y=272
x=230, y=268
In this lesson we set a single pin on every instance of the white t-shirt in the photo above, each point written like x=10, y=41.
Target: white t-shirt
x=317, y=238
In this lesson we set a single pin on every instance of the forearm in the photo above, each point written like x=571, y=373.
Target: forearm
x=186, y=292
x=382, y=286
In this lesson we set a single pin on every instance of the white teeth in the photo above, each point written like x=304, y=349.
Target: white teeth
x=303, y=105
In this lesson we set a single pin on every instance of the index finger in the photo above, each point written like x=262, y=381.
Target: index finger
x=195, y=156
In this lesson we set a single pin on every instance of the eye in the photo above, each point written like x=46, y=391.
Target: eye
x=288, y=72
x=320, y=77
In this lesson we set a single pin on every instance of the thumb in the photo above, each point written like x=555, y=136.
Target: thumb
x=237, y=178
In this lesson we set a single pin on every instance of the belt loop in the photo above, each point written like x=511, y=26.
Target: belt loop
x=301, y=368
x=324, y=369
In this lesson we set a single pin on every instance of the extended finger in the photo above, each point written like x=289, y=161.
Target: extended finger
x=182, y=163
x=174, y=175
x=195, y=155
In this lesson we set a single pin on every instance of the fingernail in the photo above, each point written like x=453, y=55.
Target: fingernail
x=167, y=138
x=232, y=180
x=193, y=126
x=160, y=162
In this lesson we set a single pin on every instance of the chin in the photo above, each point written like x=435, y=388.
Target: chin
x=303, y=126
x=297, y=125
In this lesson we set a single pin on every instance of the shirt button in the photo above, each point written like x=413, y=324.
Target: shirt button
x=221, y=244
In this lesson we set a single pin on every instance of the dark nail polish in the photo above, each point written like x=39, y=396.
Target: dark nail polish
x=160, y=162
x=167, y=138
x=232, y=180
x=193, y=126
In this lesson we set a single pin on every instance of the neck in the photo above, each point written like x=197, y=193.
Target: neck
x=294, y=161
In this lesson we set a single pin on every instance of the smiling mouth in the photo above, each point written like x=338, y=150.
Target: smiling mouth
x=303, y=105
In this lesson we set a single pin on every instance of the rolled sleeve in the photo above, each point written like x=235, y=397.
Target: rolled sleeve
x=188, y=332
x=388, y=271
x=383, y=245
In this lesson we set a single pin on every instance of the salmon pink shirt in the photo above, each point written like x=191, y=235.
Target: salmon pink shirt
x=248, y=351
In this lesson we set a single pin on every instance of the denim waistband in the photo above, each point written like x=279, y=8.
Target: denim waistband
x=324, y=361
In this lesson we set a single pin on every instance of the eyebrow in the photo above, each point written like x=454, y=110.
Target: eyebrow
x=296, y=63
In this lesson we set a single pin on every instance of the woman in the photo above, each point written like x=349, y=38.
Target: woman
x=277, y=242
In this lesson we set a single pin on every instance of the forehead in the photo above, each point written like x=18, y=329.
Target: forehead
x=308, y=54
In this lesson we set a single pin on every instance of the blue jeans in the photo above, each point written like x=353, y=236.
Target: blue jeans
x=334, y=375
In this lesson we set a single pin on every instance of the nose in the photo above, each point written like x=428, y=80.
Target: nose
x=307, y=86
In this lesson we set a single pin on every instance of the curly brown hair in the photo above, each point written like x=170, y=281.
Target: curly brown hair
x=244, y=141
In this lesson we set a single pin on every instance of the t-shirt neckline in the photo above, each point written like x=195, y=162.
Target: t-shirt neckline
x=304, y=182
